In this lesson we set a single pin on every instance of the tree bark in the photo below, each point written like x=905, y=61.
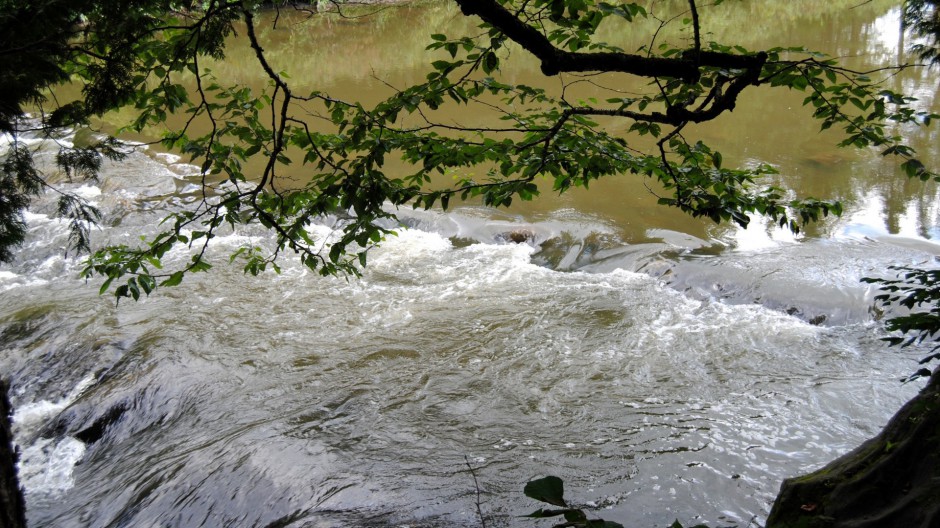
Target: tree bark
x=12, y=505
x=555, y=60
x=892, y=480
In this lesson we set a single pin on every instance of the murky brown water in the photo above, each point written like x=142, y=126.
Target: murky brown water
x=361, y=58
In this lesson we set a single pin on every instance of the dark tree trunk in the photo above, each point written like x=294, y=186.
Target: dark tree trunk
x=892, y=480
x=12, y=506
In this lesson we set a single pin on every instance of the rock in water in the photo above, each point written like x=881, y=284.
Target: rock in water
x=892, y=480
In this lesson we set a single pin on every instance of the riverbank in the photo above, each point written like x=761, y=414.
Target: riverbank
x=892, y=479
x=12, y=505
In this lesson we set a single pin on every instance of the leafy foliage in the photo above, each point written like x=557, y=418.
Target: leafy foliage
x=918, y=291
x=143, y=54
x=922, y=17
x=18, y=180
x=47, y=43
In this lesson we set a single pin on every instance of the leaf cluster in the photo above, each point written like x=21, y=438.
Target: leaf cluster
x=324, y=158
x=862, y=107
x=921, y=17
x=112, y=49
x=918, y=291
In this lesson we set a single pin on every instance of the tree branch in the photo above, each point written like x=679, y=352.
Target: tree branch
x=555, y=60
x=695, y=28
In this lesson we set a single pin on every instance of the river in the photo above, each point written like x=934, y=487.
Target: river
x=665, y=367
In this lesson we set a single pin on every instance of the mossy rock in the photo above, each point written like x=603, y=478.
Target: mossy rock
x=892, y=480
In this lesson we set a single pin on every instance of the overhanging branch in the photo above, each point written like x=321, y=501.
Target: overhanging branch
x=555, y=60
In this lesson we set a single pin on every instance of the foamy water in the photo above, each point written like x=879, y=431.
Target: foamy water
x=245, y=400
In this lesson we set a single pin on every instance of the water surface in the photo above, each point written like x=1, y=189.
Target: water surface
x=665, y=367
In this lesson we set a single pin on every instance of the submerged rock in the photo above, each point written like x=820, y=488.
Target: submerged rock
x=516, y=236
x=97, y=429
x=892, y=480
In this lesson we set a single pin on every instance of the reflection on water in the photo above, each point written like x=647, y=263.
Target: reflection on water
x=688, y=390
x=768, y=126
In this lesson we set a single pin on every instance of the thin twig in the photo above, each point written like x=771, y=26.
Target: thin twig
x=476, y=486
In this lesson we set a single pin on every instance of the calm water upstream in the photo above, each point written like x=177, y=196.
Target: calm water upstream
x=664, y=367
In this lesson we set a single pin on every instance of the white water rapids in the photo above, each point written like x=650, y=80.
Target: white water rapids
x=686, y=392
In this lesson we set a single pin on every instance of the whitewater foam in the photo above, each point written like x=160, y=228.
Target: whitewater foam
x=46, y=466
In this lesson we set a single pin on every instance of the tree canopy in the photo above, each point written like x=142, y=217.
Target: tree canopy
x=151, y=56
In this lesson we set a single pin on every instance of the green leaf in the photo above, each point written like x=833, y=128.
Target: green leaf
x=912, y=168
x=173, y=280
x=490, y=62
x=716, y=159
x=104, y=287
x=550, y=489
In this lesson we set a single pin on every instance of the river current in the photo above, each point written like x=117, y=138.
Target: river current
x=680, y=373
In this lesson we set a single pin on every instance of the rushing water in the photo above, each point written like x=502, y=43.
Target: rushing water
x=664, y=367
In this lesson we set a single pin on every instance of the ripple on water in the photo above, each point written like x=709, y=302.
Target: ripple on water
x=295, y=398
